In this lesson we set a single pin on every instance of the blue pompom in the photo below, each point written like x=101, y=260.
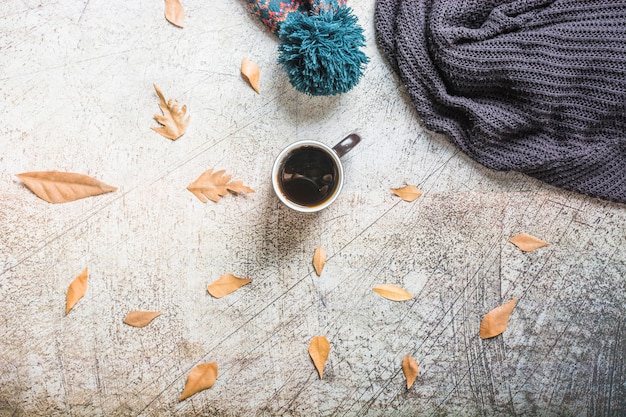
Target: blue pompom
x=321, y=53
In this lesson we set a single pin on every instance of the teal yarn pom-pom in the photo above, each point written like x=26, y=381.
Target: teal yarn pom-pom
x=321, y=53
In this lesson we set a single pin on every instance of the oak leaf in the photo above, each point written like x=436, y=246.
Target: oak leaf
x=174, y=12
x=174, y=121
x=63, y=187
x=393, y=292
x=76, y=290
x=226, y=284
x=410, y=369
x=407, y=193
x=201, y=377
x=527, y=243
x=319, y=260
x=251, y=72
x=214, y=185
x=140, y=318
x=496, y=321
x=319, y=348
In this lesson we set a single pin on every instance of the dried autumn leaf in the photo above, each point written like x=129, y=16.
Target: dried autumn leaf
x=63, y=187
x=76, y=290
x=527, y=243
x=215, y=185
x=319, y=348
x=174, y=12
x=174, y=123
x=319, y=260
x=251, y=72
x=393, y=292
x=407, y=193
x=496, y=321
x=140, y=318
x=226, y=284
x=201, y=377
x=410, y=369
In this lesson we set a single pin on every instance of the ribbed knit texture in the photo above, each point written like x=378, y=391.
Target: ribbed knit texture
x=536, y=86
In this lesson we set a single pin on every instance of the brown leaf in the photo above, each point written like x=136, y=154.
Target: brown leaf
x=174, y=123
x=76, y=290
x=392, y=292
x=496, y=321
x=141, y=318
x=175, y=13
x=410, y=369
x=527, y=243
x=251, y=72
x=226, y=284
x=319, y=260
x=215, y=185
x=319, y=350
x=201, y=377
x=407, y=193
x=63, y=187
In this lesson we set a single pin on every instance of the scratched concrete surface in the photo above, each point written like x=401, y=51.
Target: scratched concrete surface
x=76, y=95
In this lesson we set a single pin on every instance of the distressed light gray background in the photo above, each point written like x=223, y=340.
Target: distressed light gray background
x=76, y=95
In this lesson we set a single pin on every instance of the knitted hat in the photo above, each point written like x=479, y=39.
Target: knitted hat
x=320, y=43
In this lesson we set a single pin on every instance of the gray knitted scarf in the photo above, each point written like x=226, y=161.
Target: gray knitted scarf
x=536, y=86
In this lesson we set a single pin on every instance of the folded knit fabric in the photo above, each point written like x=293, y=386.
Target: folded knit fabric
x=536, y=86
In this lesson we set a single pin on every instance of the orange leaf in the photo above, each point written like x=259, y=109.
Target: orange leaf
x=319, y=350
x=407, y=193
x=76, y=290
x=214, y=185
x=63, y=187
x=410, y=369
x=175, y=13
x=226, y=284
x=251, y=72
x=201, y=377
x=527, y=243
x=173, y=122
x=392, y=292
x=319, y=260
x=496, y=321
x=141, y=318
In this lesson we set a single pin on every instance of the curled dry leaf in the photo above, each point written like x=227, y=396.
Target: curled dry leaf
x=251, y=72
x=201, y=377
x=319, y=348
x=410, y=369
x=174, y=120
x=393, y=292
x=226, y=284
x=174, y=13
x=407, y=193
x=76, y=290
x=63, y=187
x=496, y=321
x=214, y=185
x=527, y=243
x=319, y=260
x=140, y=318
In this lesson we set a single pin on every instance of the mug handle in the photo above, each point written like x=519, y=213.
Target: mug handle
x=346, y=144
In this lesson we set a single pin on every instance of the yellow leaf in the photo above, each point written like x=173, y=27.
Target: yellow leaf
x=319, y=260
x=175, y=13
x=214, y=185
x=319, y=350
x=527, y=243
x=407, y=193
x=251, y=72
x=140, y=318
x=76, y=290
x=201, y=377
x=226, y=284
x=496, y=321
x=410, y=369
x=173, y=122
x=392, y=292
x=63, y=187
